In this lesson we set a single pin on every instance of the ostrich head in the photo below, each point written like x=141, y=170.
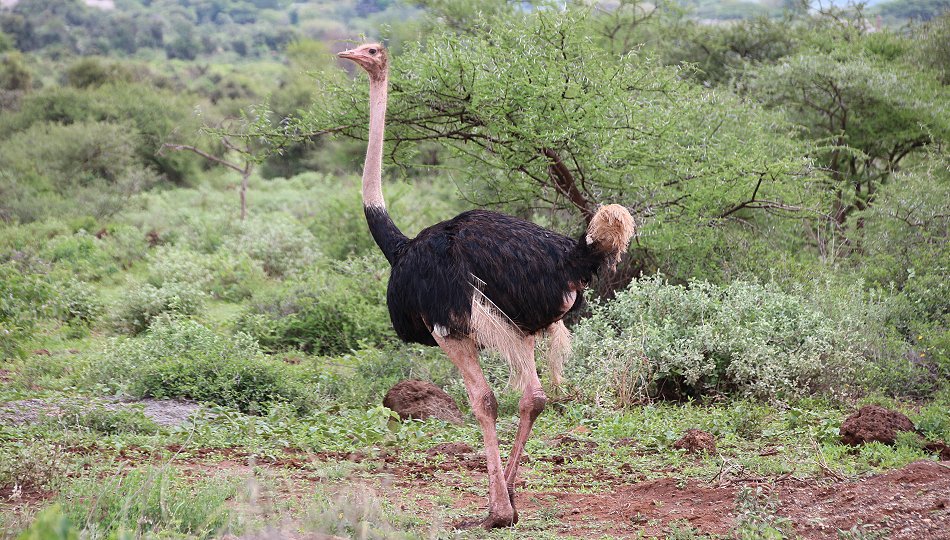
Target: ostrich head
x=371, y=57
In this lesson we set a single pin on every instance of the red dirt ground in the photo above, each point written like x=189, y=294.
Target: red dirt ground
x=912, y=502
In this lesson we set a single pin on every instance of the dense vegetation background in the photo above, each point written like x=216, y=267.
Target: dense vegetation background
x=788, y=166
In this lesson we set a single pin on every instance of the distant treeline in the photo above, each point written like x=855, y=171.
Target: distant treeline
x=181, y=28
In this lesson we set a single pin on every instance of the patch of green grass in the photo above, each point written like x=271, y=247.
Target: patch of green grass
x=149, y=501
x=100, y=420
x=34, y=466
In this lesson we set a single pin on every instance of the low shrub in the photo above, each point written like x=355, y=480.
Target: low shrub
x=125, y=244
x=363, y=377
x=102, y=420
x=235, y=276
x=24, y=299
x=37, y=465
x=82, y=254
x=223, y=274
x=280, y=243
x=868, y=320
x=78, y=302
x=331, y=310
x=86, y=168
x=661, y=340
x=181, y=358
x=169, y=264
x=144, y=302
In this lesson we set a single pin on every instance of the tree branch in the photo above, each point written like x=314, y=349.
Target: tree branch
x=565, y=183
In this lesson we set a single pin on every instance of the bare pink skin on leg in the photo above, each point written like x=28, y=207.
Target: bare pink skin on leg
x=464, y=354
x=529, y=407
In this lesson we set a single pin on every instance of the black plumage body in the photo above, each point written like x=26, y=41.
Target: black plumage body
x=527, y=271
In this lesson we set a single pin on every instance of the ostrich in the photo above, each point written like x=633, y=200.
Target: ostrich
x=484, y=280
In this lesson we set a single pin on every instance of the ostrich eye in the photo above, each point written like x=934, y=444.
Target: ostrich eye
x=372, y=51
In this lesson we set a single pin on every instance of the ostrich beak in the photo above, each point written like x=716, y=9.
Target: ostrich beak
x=349, y=55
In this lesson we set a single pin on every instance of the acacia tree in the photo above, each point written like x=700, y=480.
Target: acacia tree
x=868, y=114
x=537, y=114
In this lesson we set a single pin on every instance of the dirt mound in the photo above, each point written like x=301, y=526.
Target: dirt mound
x=874, y=423
x=695, y=441
x=912, y=503
x=422, y=400
x=450, y=449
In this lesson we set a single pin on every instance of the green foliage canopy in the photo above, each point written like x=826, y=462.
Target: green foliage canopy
x=534, y=110
x=867, y=113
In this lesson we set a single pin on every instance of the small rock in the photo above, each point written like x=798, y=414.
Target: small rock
x=695, y=441
x=874, y=423
x=422, y=400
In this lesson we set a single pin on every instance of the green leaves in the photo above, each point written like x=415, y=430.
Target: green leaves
x=534, y=111
x=659, y=339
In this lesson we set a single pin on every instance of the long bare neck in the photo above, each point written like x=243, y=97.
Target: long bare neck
x=372, y=168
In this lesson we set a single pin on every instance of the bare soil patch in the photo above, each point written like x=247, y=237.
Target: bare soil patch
x=912, y=503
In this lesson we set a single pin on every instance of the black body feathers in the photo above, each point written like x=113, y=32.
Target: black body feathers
x=527, y=271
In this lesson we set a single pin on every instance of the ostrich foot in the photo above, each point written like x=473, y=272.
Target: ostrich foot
x=511, y=497
x=490, y=522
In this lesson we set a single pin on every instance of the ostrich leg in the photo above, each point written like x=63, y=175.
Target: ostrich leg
x=464, y=354
x=529, y=407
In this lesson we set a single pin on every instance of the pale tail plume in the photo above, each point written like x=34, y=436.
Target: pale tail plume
x=557, y=349
x=610, y=231
x=491, y=327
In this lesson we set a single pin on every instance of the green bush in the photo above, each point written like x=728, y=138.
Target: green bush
x=14, y=73
x=235, y=276
x=78, y=302
x=169, y=264
x=35, y=465
x=152, y=114
x=102, y=420
x=81, y=254
x=332, y=310
x=361, y=378
x=280, y=243
x=223, y=274
x=50, y=524
x=125, y=244
x=181, y=358
x=657, y=339
x=143, y=303
x=92, y=71
x=24, y=299
x=84, y=168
